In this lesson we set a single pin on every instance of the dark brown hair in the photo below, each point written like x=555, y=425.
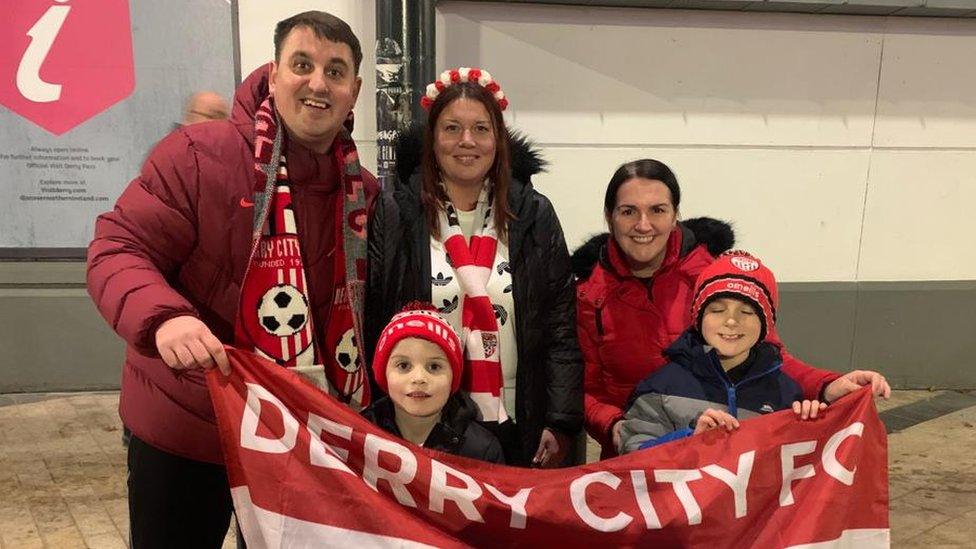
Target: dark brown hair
x=325, y=26
x=646, y=168
x=432, y=194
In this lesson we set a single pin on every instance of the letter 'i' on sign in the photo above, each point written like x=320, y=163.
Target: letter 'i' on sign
x=42, y=35
x=66, y=60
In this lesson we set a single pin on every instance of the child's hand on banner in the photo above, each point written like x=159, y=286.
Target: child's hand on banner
x=808, y=409
x=715, y=419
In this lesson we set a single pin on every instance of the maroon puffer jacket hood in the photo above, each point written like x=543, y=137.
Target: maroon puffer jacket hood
x=249, y=95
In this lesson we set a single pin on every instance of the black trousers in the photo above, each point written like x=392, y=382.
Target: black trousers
x=175, y=501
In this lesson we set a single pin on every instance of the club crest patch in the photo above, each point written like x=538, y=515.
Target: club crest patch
x=745, y=263
x=490, y=342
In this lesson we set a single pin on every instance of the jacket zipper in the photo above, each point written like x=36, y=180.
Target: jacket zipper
x=731, y=391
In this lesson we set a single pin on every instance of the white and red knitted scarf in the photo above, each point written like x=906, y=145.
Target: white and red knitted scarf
x=274, y=314
x=472, y=263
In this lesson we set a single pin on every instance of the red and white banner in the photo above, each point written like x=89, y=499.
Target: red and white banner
x=305, y=471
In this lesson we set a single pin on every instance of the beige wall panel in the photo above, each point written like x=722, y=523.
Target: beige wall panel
x=633, y=76
x=800, y=210
x=257, y=23
x=919, y=222
x=928, y=86
x=367, y=155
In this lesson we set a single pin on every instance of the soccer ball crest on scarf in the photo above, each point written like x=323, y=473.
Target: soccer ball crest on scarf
x=346, y=352
x=283, y=310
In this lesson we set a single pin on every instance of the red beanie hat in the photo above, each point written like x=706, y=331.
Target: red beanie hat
x=418, y=320
x=740, y=275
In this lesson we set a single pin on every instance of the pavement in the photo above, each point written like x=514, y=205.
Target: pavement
x=62, y=470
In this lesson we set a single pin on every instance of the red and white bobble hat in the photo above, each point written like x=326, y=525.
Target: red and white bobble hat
x=738, y=274
x=421, y=320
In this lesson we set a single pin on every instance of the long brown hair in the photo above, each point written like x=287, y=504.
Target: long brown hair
x=432, y=194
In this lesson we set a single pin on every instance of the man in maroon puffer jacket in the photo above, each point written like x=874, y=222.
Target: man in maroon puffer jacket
x=201, y=234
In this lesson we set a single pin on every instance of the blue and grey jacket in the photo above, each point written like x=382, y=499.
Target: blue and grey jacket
x=667, y=403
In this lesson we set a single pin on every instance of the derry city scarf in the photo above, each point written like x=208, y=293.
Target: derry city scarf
x=274, y=314
x=472, y=263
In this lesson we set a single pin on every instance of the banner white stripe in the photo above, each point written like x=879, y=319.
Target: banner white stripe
x=284, y=531
x=859, y=538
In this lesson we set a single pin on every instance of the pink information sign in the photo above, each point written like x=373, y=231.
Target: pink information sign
x=62, y=62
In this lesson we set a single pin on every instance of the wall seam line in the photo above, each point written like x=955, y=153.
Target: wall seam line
x=864, y=202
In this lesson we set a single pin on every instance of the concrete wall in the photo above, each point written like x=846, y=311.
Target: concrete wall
x=842, y=148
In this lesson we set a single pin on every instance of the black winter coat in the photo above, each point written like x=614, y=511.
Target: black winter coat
x=457, y=432
x=549, y=379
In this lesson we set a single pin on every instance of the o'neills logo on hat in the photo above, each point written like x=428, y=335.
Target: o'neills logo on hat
x=744, y=288
x=745, y=263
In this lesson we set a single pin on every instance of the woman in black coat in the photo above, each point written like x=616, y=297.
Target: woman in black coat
x=463, y=174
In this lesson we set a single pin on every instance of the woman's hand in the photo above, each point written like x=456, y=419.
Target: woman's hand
x=615, y=433
x=808, y=409
x=715, y=419
x=552, y=449
x=853, y=381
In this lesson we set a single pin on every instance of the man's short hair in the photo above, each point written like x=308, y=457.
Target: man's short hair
x=325, y=26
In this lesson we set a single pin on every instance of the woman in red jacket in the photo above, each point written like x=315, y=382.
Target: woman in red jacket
x=635, y=290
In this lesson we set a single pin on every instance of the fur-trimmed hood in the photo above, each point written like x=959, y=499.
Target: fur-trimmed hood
x=526, y=159
x=716, y=235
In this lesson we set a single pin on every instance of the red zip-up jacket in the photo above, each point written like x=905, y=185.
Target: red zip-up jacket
x=178, y=242
x=624, y=325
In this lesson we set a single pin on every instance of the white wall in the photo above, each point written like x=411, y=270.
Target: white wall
x=842, y=147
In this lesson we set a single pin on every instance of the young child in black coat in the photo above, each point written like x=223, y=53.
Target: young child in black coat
x=418, y=363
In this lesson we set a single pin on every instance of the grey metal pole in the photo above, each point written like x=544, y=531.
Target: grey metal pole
x=404, y=67
x=420, y=36
x=389, y=85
